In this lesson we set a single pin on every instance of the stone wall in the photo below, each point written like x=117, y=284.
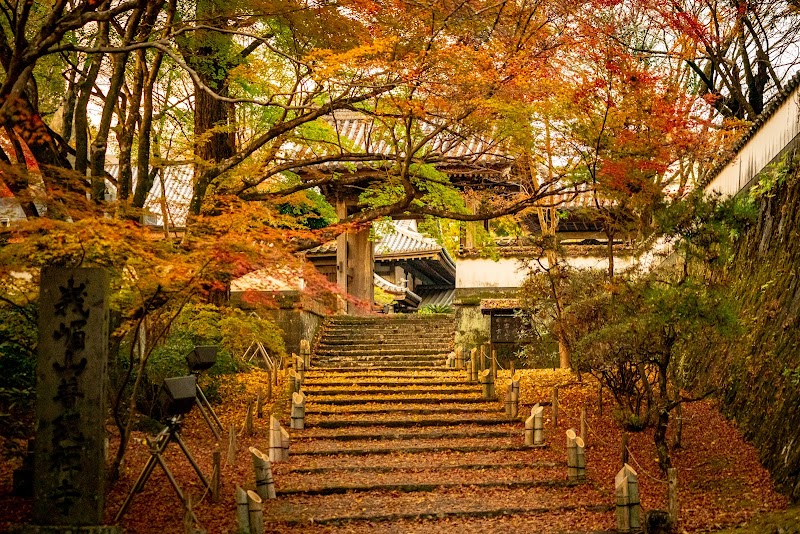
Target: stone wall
x=758, y=373
x=298, y=316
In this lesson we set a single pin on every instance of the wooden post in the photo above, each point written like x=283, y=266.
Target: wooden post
x=305, y=352
x=298, y=411
x=572, y=455
x=529, y=423
x=269, y=390
x=300, y=367
x=624, y=451
x=459, y=358
x=255, y=509
x=555, y=407
x=275, y=445
x=583, y=424
x=473, y=358
x=515, y=380
x=469, y=372
x=450, y=363
x=259, y=405
x=265, y=484
x=600, y=398
x=494, y=363
x=626, y=485
x=672, y=494
x=248, y=420
x=508, y=401
x=293, y=379
x=242, y=514
x=231, y=445
x=538, y=424
x=511, y=366
x=580, y=448
x=215, y=474
x=482, y=363
x=487, y=384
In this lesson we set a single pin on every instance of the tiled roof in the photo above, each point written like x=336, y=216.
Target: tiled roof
x=760, y=121
x=361, y=133
x=435, y=295
x=173, y=184
x=403, y=294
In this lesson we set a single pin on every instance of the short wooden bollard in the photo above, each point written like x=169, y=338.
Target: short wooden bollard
x=231, y=445
x=580, y=448
x=275, y=440
x=473, y=358
x=626, y=489
x=508, y=401
x=242, y=513
x=300, y=367
x=572, y=455
x=265, y=484
x=494, y=363
x=284, y=444
x=295, y=382
x=451, y=360
x=555, y=407
x=537, y=412
x=298, y=411
x=487, y=384
x=459, y=358
x=255, y=512
x=529, y=422
x=469, y=372
x=483, y=358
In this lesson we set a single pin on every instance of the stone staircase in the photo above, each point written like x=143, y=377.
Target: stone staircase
x=396, y=342
x=397, y=442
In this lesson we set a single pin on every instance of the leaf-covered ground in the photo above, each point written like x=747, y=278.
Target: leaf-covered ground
x=453, y=475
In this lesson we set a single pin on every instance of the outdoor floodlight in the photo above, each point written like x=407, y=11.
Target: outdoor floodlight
x=202, y=358
x=177, y=395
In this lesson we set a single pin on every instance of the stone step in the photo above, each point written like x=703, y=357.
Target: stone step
x=360, y=366
x=441, y=503
x=346, y=422
x=416, y=467
x=408, y=409
x=393, y=486
x=395, y=399
x=423, y=459
x=348, y=374
x=441, y=446
x=315, y=393
x=370, y=382
x=409, y=354
x=314, y=435
x=400, y=341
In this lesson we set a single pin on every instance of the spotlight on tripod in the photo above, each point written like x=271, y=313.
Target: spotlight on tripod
x=201, y=359
x=176, y=398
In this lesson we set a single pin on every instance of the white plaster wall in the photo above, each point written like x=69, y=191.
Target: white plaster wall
x=767, y=143
x=510, y=272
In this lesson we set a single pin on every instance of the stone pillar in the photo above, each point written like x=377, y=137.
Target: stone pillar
x=70, y=406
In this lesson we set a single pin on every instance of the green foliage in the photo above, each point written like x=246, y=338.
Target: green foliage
x=771, y=178
x=430, y=309
x=205, y=324
x=18, y=338
x=310, y=209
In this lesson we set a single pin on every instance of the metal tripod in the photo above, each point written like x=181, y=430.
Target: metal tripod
x=157, y=447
